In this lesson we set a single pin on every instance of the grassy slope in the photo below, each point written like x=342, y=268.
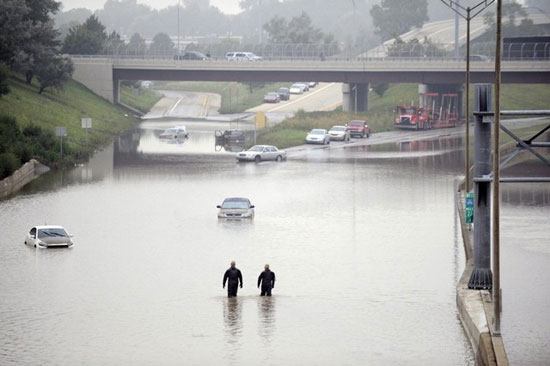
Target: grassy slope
x=66, y=108
x=139, y=98
x=380, y=115
x=236, y=97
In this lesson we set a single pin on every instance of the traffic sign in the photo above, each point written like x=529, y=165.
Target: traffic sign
x=469, y=208
x=61, y=131
x=86, y=122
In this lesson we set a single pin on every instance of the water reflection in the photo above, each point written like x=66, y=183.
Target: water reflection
x=232, y=315
x=267, y=313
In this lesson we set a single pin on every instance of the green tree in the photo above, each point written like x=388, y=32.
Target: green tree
x=86, y=39
x=393, y=18
x=380, y=89
x=511, y=12
x=162, y=45
x=277, y=30
x=114, y=45
x=4, y=74
x=137, y=45
x=298, y=30
x=54, y=71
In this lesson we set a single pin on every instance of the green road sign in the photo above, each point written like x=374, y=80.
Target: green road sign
x=469, y=208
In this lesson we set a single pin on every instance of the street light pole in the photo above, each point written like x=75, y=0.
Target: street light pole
x=496, y=175
x=178, y=48
x=460, y=10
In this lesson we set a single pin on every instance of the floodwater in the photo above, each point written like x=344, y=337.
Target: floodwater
x=364, y=243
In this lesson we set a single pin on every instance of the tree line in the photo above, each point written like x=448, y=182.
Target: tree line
x=29, y=44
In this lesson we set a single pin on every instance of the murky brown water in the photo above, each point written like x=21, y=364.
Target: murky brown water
x=365, y=245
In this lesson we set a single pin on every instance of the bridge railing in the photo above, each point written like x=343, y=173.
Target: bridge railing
x=333, y=52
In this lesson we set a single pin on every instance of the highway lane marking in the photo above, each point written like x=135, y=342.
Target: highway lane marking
x=175, y=105
x=301, y=98
x=204, y=104
x=332, y=106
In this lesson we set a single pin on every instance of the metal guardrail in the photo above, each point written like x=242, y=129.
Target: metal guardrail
x=481, y=52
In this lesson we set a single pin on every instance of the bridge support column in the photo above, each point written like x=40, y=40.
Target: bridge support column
x=446, y=89
x=116, y=91
x=355, y=97
x=482, y=277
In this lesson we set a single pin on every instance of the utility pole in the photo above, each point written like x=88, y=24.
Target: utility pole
x=178, y=48
x=457, y=23
x=496, y=175
x=468, y=13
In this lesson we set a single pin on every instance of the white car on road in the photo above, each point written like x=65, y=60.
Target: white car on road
x=49, y=236
x=258, y=153
x=318, y=136
x=297, y=89
x=339, y=133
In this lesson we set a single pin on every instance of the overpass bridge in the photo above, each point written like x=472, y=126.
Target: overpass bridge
x=103, y=74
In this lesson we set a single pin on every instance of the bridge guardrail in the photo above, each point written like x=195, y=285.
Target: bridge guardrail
x=332, y=52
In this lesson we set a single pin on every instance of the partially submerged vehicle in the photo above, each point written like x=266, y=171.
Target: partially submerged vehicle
x=49, y=236
x=236, y=208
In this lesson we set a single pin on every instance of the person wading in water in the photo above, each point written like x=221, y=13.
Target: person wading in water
x=233, y=274
x=267, y=279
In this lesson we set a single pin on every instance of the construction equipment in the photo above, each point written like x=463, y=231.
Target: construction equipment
x=435, y=111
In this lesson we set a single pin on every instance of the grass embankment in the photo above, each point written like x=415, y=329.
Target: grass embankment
x=381, y=117
x=141, y=99
x=236, y=97
x=37, y=116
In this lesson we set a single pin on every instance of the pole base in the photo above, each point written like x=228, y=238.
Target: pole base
x=481, y=279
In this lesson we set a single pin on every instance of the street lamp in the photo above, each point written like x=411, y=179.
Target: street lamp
x=178, y=48
x=468, y=13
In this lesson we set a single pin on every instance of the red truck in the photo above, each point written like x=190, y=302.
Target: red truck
x=358, y=128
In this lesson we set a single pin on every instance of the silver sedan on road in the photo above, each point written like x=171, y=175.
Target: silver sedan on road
x=258, y=153
x=318, y=136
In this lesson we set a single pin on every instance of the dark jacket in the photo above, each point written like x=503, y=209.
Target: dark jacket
x=234, y=275
x=267, y=279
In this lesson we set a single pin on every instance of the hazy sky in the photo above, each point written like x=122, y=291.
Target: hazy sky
x=227, y=6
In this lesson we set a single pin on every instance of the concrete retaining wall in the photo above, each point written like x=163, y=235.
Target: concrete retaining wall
x=21, y=177
x=475, y=307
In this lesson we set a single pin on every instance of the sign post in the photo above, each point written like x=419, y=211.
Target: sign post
x=86, y=124
x=61, y=131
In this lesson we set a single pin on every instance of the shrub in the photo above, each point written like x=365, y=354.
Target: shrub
x=8, y=164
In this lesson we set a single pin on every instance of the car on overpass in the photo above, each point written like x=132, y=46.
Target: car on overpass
x=242, y=56
x=192, y=55
x=259, y=153
x=177, y=132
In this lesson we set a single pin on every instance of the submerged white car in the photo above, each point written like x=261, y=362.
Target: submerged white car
x=258, y=153
x=49, y=236
x=177, y=132
x=236, y=208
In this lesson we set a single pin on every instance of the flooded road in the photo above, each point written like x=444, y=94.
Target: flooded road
x=364, y=242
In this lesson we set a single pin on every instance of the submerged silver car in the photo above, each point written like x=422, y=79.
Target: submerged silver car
x=49, y=236
x=258, y=153
x=236, y=208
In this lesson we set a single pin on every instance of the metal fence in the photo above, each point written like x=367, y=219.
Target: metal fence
x=335, y=52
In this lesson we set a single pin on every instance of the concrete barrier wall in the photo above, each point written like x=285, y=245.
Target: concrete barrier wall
x=21, y=177
x=475, y=307
x=96, y=75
